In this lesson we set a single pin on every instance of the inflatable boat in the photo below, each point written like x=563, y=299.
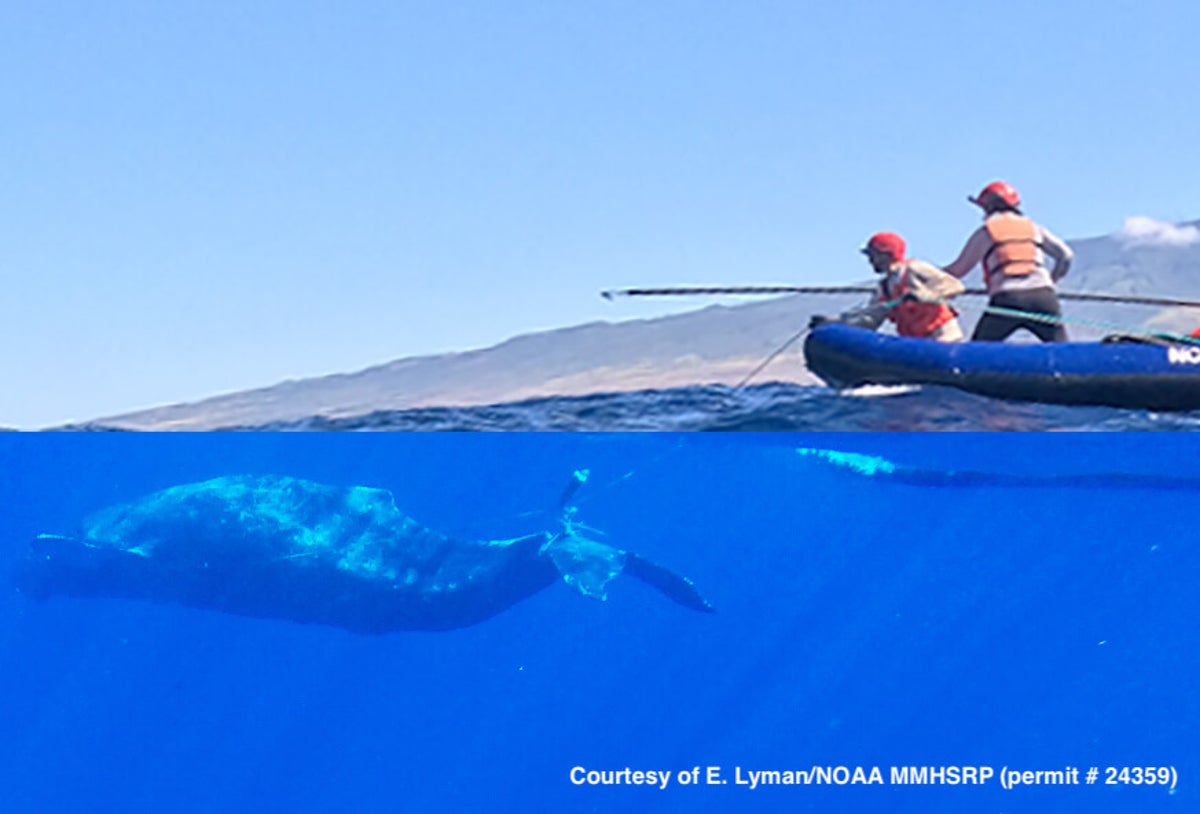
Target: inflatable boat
x=1133, y=375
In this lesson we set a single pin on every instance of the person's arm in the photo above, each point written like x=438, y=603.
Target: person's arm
x=869, y=316
x=931, y=284
x=1057, y=248
x=971, y=255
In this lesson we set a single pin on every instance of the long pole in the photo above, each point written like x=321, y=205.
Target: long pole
x=687, y=291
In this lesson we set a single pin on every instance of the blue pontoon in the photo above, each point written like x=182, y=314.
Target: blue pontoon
x=1117, y=374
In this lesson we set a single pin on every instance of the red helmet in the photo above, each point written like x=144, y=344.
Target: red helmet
x=1001, y=191
x=886, y=243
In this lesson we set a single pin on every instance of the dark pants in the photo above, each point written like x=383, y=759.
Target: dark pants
x=997, y=328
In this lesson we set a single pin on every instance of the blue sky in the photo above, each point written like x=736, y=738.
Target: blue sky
x=205, y=197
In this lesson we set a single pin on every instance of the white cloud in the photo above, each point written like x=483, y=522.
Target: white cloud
x=1142, y=231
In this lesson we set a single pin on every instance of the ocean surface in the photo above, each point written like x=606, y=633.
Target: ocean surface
x=762, y=408
x=1019, y=601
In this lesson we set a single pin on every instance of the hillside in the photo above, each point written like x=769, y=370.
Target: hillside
x=718, y=344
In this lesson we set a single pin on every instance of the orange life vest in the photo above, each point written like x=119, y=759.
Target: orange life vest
x=913, y=317
x=1014, y=248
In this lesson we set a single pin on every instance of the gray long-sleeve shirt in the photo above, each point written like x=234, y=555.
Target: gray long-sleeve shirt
x=1044, y=276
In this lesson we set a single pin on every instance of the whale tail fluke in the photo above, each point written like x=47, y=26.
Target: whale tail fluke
x=675, y=587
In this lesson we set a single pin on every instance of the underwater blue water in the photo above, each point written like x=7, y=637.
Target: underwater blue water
x=770, y=407
x=860, y=622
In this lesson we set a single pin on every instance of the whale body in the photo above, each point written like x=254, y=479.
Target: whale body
x=285, y=548
x=883, y=469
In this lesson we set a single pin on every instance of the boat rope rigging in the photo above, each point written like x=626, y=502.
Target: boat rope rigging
x=1160, y=337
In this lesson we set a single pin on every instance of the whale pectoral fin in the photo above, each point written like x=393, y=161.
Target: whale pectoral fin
x=585, y=565
x=680, y=589
x=588, y=566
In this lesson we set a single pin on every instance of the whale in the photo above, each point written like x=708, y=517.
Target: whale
x=878, y=468
x=280, y=547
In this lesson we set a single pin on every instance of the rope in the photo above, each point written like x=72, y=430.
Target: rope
x=771, y=358
x=1080, y=296
x=889, y=305
x=1053, y=319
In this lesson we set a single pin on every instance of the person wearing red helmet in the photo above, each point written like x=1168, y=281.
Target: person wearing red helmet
x=911, y=293
x=1015, y=254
